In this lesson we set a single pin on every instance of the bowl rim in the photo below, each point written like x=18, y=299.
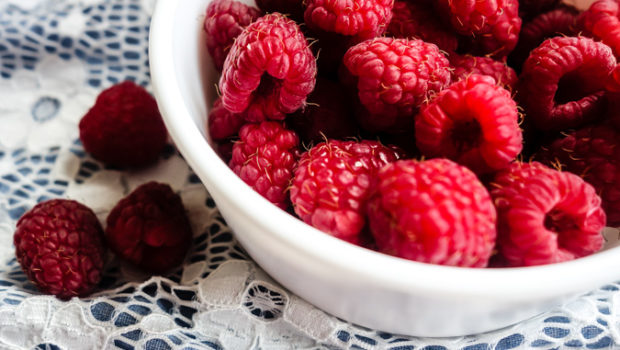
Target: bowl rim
x=517, y=284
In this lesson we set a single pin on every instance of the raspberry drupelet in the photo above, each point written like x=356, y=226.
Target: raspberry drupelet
x=269, y=71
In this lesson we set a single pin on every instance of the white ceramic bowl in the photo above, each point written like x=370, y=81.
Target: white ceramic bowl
x=356, y=284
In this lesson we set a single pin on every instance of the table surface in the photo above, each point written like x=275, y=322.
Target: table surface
x=55, y=57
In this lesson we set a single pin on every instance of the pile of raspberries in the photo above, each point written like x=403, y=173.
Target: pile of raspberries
x=60, y=243
x=463, y=133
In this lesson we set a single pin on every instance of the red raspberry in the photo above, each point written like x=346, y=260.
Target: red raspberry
x=594, y=154
x=466, y=65
x=545, y=216
x=473, y=122
x=330, y=187
x=494, y=25
x=532, y=8
x=363, y=19
x=418, y=19
x=561, y=21
x=59, y=244
x=224, y=149
x=222, y=123
x=563, y=80
x=434, y=211
x=149, y=228
x=327, y=114
x=602, y=21
x=224, y=21
x=124, y=127
x=293, y=8
x=264, y=158
x=393, y=78
x=269, y=71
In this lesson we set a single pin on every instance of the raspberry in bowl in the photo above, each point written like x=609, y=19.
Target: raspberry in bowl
x=360, y=285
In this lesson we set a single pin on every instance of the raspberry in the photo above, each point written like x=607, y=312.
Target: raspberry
x=561, y=21
x=326, y=116
x=602, y=21
x=222, y=123
x=473, y=122
x=563, y=80
x=224, y=21
x=363, y=19
x=293, y=8
x=545, y=216
x=532, y=8
x=149, y=228
x=494, y=25
x=269, y=71
x=466, y=65
x=59, y=244
x=394, y=77
x=594, y=154
x=433, y=211
x=264, y=158
x=418, y=19
x=124, y=127
x=330, y=186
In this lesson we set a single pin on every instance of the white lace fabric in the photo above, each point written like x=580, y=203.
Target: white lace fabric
x=55, y=57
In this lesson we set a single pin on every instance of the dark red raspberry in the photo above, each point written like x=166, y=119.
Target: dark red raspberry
x=327, y=115
x=532, y=8
x=594, y=154
x=563, y=82
x=434, y=211
x=559, y=22
x=59, y=244
x=363, y=19
x=124, y=127
x=545, y=216
x=269, y=71
x=493, y=25
x=292, y=8
x=224, y=21
x=330, y=187
x=602, y=21
x=149, y=228
x=393, y=78
x=613, y=98
x=224, y=149
x=264, y=158
x=222, y=123
x=466, y=65
x=473, y=122
x=418, y=19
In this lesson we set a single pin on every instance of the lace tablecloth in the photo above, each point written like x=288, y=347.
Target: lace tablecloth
x=55, y=56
